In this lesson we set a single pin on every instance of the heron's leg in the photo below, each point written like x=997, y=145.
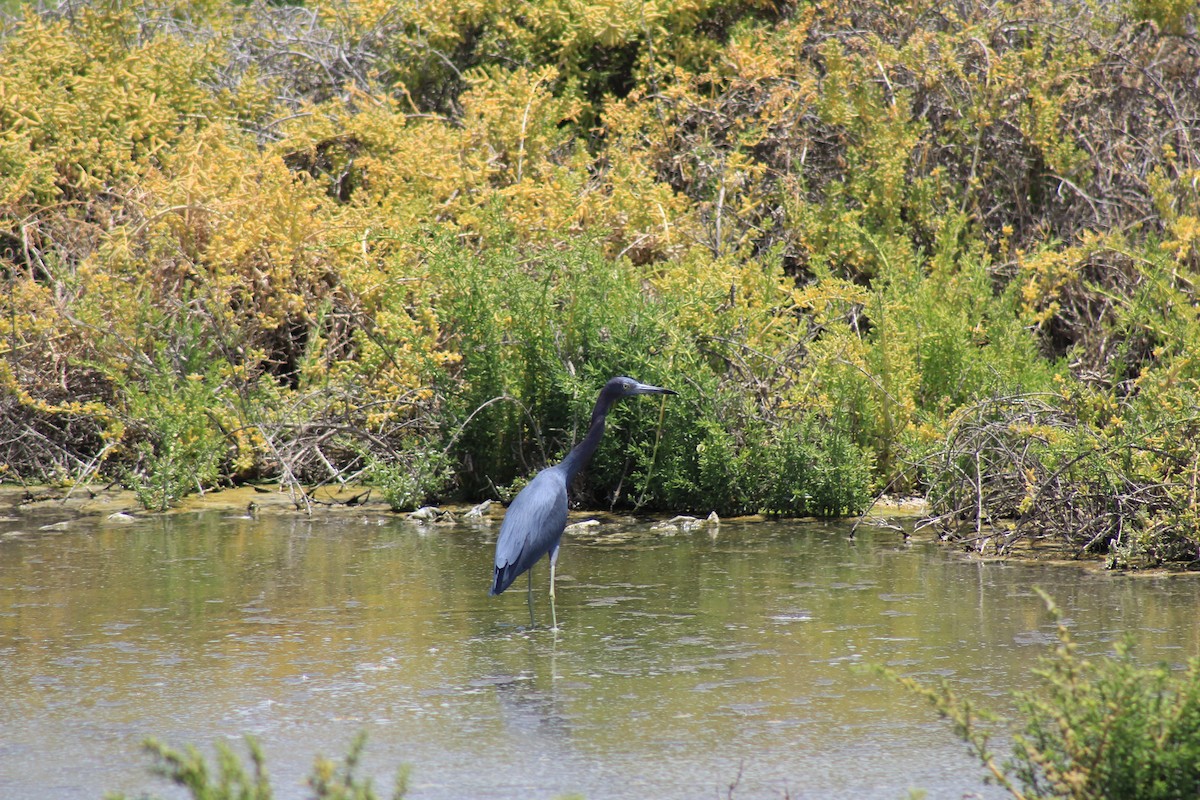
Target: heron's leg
x=553, y=561
x=529, y=594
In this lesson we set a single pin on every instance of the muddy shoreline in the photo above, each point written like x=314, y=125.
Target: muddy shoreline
x=50, y=508
x=103, y=502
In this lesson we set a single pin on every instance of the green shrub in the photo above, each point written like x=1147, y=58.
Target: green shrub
x=177, y=443
x=411, y=477
x=541, y=330
x=1097, y=728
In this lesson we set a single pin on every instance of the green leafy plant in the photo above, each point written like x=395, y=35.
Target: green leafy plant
x=415, y=475
x=179, y=447
x=1097, y=728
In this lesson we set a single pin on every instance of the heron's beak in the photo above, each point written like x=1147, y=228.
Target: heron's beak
x=645, y=388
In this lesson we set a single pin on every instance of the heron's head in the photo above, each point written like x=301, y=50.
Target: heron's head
x=628, y=387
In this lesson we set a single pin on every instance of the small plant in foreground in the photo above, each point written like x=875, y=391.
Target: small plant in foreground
x=235, y=780
x=415, y=476
x=1097, y=728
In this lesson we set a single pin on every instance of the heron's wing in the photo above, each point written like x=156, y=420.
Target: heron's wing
x=532, y=526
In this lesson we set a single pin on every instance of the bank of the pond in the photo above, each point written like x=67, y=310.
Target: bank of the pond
x=51, y=509
x=121, y=505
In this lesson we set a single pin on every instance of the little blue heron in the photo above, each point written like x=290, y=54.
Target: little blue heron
x=534, y=522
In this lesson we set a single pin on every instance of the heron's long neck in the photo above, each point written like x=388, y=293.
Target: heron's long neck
x=581, y=453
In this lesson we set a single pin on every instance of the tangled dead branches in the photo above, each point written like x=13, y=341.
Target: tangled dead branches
x=1022, y=467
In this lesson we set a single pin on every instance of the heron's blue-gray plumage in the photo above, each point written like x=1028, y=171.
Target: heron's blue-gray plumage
x=534, y=522
x=532, y=527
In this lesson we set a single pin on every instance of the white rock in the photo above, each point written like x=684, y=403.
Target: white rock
x=479, y=510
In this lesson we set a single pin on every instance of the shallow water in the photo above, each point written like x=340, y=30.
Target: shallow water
x=685, y=663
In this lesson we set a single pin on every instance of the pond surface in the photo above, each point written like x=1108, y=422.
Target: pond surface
x=686, y=663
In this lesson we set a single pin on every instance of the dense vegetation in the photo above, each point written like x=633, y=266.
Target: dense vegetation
x=939, y=247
